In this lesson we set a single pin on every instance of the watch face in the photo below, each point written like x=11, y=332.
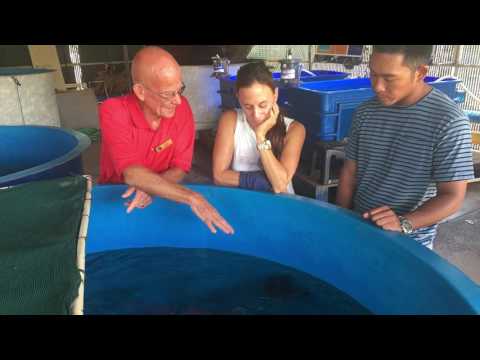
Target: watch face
x=409, y=228
x=406, y=226
x=266, y=145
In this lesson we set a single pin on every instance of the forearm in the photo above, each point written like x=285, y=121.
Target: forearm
x=346, y=189
x=275, y=171
x=435, y=210
x=227, y=178
x=154, y=184
x=174, y=175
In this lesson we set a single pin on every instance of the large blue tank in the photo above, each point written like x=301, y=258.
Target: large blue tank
x=29, y=153
x=386, y=272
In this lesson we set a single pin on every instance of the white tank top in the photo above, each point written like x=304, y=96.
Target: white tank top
x=245, y=155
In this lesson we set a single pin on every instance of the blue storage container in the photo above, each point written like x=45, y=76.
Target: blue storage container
x=326, y=107
x=227, y=85
x=473, y=116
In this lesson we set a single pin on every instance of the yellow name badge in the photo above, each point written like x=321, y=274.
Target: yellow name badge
x=162, y=146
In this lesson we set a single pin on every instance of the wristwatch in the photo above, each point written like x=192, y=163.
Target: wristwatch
x=406, y=225
x=264, y=145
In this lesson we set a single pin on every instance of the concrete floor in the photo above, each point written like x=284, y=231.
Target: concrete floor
x=458, y=239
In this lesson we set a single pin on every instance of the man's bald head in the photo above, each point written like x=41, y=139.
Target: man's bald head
x=153, y=63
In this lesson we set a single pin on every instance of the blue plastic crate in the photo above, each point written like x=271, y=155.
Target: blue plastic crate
x=324, y=126
x=326, y=108
x=324, y=96
x=227, y=85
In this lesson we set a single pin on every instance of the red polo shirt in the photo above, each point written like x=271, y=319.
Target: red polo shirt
x=128, y=140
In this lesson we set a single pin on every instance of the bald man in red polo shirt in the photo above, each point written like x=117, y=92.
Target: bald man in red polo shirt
x=148, y=138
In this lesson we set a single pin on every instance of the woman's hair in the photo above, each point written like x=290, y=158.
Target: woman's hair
x=258, y=72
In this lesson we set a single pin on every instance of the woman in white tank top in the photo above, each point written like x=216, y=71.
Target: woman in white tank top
x=256, y=147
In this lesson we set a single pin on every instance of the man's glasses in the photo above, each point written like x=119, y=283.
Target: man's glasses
x=167, y=95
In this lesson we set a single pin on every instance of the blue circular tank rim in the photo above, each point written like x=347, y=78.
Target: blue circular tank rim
x=83, y=142
x=459, y=281
x=11, y=71
x=466, y=288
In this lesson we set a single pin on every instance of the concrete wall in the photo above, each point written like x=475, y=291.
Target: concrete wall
x=33, y=102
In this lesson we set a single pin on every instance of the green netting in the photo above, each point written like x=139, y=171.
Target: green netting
x=39, y=225
x=93, y=133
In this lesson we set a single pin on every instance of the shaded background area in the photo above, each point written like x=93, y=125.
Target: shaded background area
x=202, y=54
x=108, y=65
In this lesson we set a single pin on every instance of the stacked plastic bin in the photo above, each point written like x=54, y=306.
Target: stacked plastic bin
x=227, y=85
x=326, y=107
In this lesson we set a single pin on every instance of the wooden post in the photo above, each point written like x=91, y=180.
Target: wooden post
x=46, y=56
